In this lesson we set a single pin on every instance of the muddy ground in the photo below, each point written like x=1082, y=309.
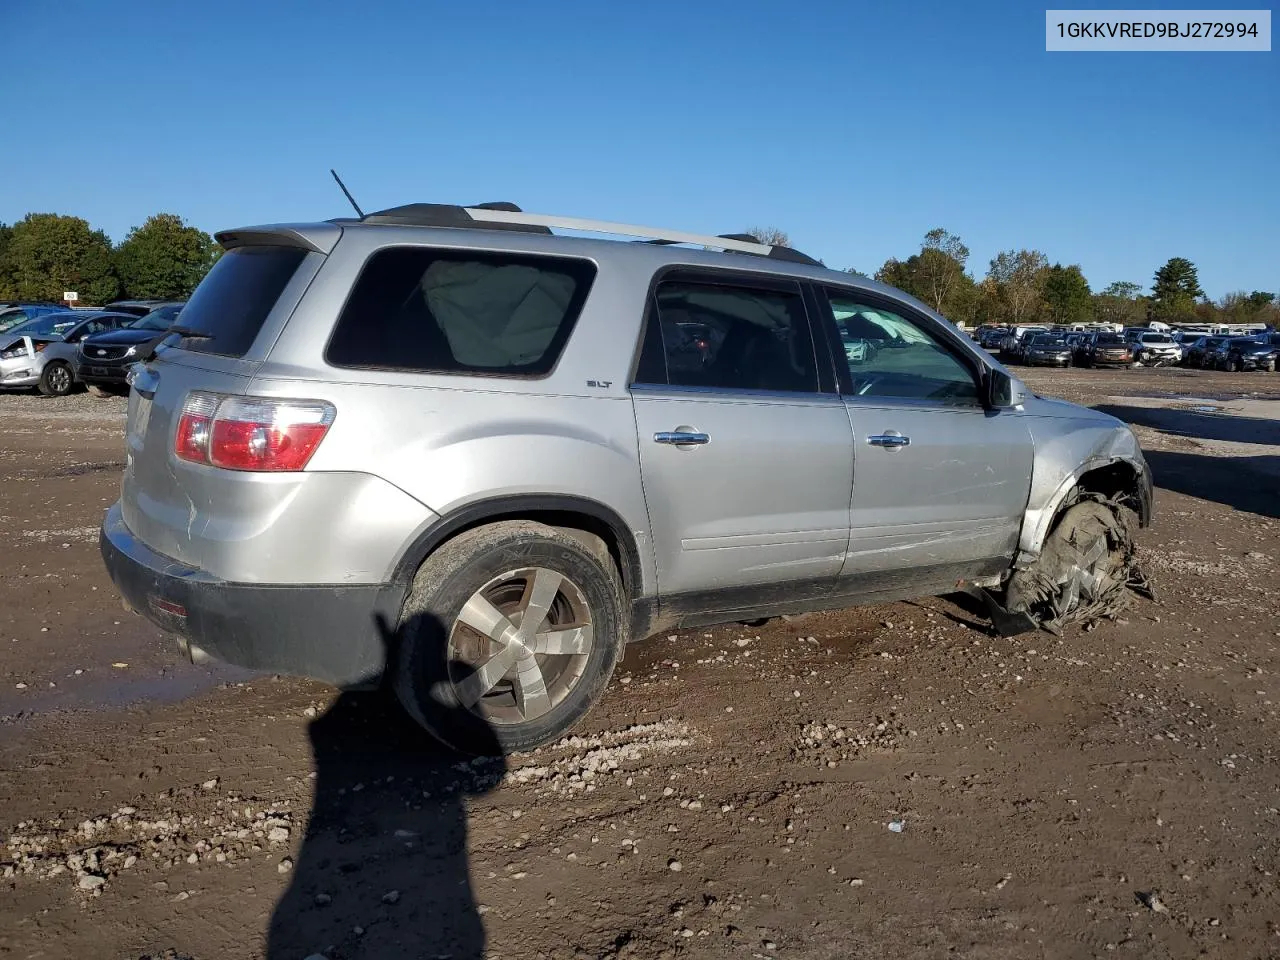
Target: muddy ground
x=888, y=782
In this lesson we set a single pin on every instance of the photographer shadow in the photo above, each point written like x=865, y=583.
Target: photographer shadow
x=383, y=869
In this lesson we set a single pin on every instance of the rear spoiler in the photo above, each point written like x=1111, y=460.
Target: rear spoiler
x=318, y=237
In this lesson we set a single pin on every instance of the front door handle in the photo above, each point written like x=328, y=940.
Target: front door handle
x=681, y=438
x=891, y=439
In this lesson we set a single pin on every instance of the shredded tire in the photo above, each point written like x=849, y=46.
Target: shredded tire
x=1087, y=570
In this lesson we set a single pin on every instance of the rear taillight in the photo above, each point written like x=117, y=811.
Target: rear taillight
x=250, y=433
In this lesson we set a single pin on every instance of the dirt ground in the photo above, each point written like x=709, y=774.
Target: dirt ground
x=887, y=782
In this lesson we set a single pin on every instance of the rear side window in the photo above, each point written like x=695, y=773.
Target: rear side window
x=461, y=312
x=233, y=300
x=729, y=337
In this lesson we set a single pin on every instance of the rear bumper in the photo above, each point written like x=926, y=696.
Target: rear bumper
x=332, y=633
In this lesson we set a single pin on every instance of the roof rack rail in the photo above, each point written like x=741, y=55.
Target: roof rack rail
x=503, y=215
x=447, y=215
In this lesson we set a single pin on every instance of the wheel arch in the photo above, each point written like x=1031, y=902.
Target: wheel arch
x=1114, y=477
x=574, y=515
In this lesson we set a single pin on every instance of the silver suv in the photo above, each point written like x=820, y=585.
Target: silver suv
x=444, y=446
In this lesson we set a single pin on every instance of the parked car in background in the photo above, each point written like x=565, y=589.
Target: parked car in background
x=1047, y=350
x=988, y=336
x=1154, y=348
x=139, y=308
x=1014, y=346
x=39, y=353
x=1198, y=354
x=15, y=312
x=1215, y=355
x=102, y=361
x=1245, y=353
x=1105, y=350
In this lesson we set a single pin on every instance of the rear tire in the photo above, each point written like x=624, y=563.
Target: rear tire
x=473, y=673
x=1233, y=365
x=56, y=380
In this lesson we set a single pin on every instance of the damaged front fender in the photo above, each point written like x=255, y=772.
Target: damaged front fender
x=1079, y=449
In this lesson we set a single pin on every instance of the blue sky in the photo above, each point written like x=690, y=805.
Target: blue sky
x=854, y=127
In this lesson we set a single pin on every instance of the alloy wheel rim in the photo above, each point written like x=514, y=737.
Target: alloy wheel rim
x=59, y=379
x=520, y=645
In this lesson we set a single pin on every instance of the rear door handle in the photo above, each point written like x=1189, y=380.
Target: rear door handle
x=681, y=438
x=891, y=439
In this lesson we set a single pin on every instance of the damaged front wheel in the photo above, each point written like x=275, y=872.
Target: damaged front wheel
x=1086, y=571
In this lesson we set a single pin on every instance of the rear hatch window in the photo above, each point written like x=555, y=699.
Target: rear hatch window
x=230, y=304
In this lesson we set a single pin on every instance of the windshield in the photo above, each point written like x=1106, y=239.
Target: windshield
x=1110, y=338
x=50, y=325
x=1048, y=341
x=160, y=319
x=1155, y=338
x=11, y=318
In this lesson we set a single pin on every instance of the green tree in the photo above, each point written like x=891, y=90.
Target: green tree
x=1123, y=289
x=7, y=291
x=164, y=258
x=1066, y=294
x=935, y=278
x=1241, y=307
x=900, y=274
x=1206, y=311
x=1120, y=302
x=49, y=253
x=941, y=267
x=1018, y=276
x=1175, y=290
x=966, y=302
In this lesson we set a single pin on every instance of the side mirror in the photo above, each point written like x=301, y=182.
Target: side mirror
x=1003, y=391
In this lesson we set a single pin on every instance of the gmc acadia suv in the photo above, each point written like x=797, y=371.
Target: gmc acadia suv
x=445, y=447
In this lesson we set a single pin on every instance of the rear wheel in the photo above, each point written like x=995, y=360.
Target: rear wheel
x=56, y=380
x=1085, y=570
x=509, y=636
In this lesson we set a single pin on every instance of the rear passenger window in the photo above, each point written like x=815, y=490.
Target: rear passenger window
x=733, y=338
x=233, y=300
x=434, y=311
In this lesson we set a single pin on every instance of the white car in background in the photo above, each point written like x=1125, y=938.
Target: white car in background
x=1152, y=348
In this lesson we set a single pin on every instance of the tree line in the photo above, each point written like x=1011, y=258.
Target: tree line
x=1022, y=286
x=44, y=255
